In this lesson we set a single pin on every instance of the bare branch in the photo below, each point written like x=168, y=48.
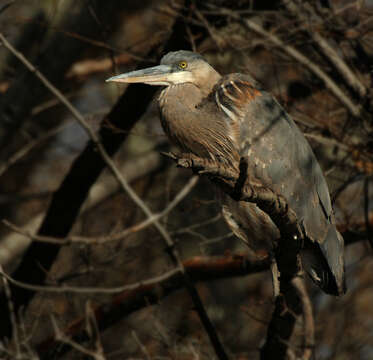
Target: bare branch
x=151, y=291
x=112, y=237
x=13, y=319
x=61, y=337
x=353, y=108
x=141, y=345
x=328, y=51
x=28, y=147
x=14, y=243
x=89, y=290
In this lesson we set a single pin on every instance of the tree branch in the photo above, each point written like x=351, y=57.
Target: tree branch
x=353, y=108
x=349, y=77
x=107, y=238
x=152, y=291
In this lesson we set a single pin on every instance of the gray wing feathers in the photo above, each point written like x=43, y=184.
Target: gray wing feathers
x=281, y=158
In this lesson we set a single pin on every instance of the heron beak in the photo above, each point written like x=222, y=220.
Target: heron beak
x=157, y=75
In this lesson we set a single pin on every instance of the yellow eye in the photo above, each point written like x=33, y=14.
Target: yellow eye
x=183, y=64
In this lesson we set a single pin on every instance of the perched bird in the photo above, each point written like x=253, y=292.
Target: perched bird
x=224, y=118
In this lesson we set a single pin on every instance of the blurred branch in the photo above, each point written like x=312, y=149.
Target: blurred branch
x=85, y=68
x=141, y=346
x=354, y=109
x=12, y=314
x=88, y=40
x=91, y=66
x=212, y=32
x=13, y=244
x=62, y=338
x=6, y=5
x=350, y=78
x=55, y=58
x=199, y=268
x=112, y=237
x=152, y=291
x=93, y=136
x=23, y=151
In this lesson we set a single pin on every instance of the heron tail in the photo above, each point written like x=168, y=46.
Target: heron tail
x=323, y=261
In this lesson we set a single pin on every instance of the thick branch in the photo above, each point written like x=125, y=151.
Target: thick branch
x=287, y=309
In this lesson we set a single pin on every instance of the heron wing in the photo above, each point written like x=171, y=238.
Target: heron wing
x=281, y=158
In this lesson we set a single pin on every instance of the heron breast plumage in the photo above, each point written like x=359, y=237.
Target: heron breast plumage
x=196, y=126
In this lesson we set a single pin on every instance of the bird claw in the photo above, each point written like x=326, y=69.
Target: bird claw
x=169, y=155
x=185, y=163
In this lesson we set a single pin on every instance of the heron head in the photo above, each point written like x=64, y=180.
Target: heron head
x=177, y=67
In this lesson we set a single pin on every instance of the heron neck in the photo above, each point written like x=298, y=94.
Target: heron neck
x=190, y=94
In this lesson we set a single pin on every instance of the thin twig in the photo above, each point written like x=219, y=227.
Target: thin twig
x=13, y=244
x=90, y=290
x=92, y=328
x=93, y=136
x=187, y=229
x=30, y=146
x=92, y=41
x=216, y=239
x=141, y=345
x=217, y=40
x=191, y=38
x=13, y=319
x=61, y=337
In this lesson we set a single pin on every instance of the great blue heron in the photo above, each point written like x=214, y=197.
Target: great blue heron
x=223, y=118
